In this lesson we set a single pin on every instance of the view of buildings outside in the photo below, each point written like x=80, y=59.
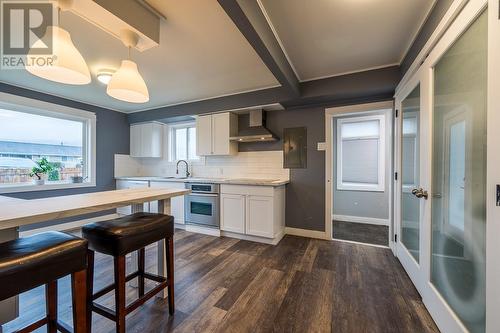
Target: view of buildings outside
x=27, y=138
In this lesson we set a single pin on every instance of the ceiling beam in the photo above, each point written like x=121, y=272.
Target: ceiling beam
x=249, y=19
x=372, y=85
x=231, y=102
x=362, y=87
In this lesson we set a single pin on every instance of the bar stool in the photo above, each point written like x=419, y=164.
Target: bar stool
x=29, y=262
x=117, y=238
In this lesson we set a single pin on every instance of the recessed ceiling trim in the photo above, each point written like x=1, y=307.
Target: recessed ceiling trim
x=417, y=32
x=407, y=49
x=275, y=33
x=135, y=111
x=351, y=72
x=203, y=99
x=59, y=96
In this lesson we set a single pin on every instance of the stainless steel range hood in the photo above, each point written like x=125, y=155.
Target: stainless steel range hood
x=256, y=130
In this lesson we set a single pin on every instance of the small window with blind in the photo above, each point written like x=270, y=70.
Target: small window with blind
x=182, y=137
x=361, y=153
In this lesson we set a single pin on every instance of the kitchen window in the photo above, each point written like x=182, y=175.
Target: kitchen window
x=32, y=131
x=182, y=138
x=361, y=153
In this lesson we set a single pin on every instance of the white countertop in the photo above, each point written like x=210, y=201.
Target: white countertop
x=231, y=181
x=15, y=212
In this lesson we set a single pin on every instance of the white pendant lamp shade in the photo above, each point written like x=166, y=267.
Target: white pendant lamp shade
x=68, y=65
x=127, y=84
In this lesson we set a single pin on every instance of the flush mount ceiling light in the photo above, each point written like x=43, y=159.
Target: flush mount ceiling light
x=104, y=75
x=66, y=64
x=127, y=84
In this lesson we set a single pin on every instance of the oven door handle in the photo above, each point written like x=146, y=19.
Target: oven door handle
x=202, y=195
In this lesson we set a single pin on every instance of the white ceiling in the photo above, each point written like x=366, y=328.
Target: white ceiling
x=201, y=55
x=325, y=38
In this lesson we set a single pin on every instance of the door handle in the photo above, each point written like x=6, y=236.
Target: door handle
x=420, y=193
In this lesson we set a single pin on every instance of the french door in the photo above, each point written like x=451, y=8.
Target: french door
x=447, y=148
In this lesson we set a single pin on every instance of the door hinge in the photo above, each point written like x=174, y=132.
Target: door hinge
x=395, y=238
x=397, y=113
x=395, y=176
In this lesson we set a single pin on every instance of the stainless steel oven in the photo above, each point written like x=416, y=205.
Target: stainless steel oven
x=202, y=204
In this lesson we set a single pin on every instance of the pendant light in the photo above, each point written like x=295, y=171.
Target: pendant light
x=68, y=65
x=127, y=84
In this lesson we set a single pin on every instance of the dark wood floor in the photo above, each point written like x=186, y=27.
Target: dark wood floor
x=361, y=232
x=300, y=285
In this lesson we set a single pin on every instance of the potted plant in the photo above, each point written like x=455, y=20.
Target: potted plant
x=42, y=168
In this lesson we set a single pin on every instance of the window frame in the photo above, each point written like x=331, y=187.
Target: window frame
x=349, y=186
x=41, y=108
x=172, y=149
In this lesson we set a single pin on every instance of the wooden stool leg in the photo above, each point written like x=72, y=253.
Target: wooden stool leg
x=170, y=273
x=120, y=293
x=51, y=306
x=90, y=287
x=141, y=263
x=79, y=292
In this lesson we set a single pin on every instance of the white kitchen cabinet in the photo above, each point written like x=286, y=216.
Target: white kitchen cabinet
x=125, y=184
x=146, y=139
x=259, y=216
x=232, y=217
x=176, y=203
x=253, y=210
x=204, y=135
x=213, y=133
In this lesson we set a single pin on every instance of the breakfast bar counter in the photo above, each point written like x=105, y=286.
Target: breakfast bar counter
x=18, y=212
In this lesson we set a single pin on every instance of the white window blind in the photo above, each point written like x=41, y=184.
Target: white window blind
x=360, y=153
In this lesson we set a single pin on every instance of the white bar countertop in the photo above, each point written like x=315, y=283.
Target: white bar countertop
x=229, y=181
x=17, y=212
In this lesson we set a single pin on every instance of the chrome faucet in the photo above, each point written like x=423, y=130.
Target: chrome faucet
x=187, y=168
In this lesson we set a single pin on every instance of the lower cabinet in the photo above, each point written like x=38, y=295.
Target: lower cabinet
x=232, y=213
x=124, y=184
x=259, y=216
x=253, y=210
x=176, y=203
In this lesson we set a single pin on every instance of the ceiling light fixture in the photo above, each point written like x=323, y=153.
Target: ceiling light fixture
x=66, y=64
x=104, y=75
x=127, y=84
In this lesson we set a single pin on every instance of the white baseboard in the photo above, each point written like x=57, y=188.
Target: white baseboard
x=271, y=241
x=360, y=219
x=69, y=225
x=307, y=233
x=177, y=226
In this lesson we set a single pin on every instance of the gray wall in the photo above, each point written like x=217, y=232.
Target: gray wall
x=112, y=137
x=432, y=21
x=364, y=203
x=305, y=195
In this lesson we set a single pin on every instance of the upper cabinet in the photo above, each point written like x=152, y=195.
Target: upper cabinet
x=146, y=139
x=213, y=133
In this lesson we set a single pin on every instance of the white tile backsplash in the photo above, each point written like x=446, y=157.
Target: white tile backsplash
x=262, y=165
x=126, y=166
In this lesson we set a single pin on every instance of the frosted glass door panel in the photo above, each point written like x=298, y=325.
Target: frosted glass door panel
x=459, y=176
x=410, y=155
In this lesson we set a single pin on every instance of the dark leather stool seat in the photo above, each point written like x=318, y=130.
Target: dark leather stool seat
x=128, y=233
x=117, y=238
x=28, y=262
